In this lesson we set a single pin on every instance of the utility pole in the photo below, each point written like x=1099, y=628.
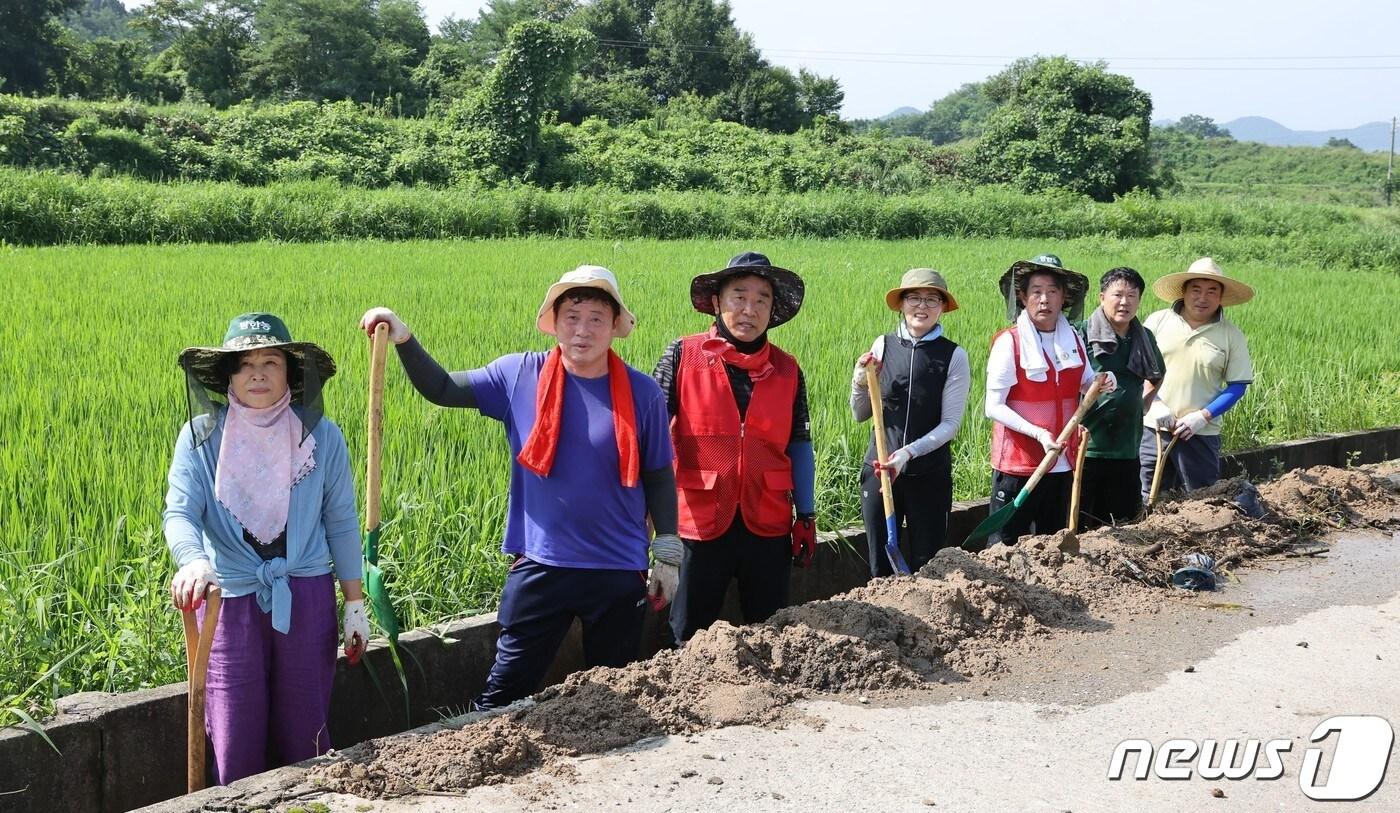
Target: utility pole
x=1390, y=164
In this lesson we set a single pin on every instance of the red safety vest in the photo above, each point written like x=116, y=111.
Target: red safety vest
x=723, y=464
x=1047, y=404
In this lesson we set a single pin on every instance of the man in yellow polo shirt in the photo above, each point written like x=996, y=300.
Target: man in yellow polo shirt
x=1208, y=370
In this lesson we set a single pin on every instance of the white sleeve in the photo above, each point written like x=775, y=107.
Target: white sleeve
x=998, y=411
x=1001, y=364
x=1001, y=377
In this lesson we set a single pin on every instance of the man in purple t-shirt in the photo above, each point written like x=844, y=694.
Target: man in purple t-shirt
x=591, y=448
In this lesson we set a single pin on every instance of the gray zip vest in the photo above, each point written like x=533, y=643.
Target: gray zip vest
x=912, y=377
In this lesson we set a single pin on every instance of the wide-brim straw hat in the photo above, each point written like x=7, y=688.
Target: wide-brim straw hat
x=1075, y=284
x=1169, y=288
x=916, y=278
x=253, y=331
x=788, y=288
x=586, y=276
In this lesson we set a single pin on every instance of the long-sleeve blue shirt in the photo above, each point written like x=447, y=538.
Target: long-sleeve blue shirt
x=322, y=523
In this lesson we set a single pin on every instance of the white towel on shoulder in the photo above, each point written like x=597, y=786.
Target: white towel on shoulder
x=1063, y=348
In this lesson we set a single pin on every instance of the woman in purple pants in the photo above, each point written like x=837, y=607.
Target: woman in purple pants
x=261, y=503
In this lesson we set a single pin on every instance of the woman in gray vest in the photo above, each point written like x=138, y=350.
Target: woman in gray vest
x=924, y=380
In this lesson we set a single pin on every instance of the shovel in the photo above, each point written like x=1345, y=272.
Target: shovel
x=1078, y=482
x=1161, y=465
x=1003, y=515
x=198, y=642
x=877, y=415
x=375, y=589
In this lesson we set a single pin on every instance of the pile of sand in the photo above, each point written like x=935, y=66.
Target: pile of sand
x=961, y=616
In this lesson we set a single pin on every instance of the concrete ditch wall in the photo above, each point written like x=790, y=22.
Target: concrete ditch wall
x=123, y=751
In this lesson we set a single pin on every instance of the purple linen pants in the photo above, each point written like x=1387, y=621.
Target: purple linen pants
x=268, y=695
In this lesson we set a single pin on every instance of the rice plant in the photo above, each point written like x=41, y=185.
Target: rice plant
x=90, y=395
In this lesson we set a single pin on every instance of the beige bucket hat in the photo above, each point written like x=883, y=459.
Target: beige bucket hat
x=1168, y=288
x=916, y=278
x=586, y=276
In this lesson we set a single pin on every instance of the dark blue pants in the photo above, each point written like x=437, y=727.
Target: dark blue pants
x=538, y=605
x=762, y=564
x=1193, y=463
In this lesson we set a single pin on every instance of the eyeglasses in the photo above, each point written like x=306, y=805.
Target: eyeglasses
x=925, y=301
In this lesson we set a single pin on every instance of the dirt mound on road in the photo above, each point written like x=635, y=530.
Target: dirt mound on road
x=961, y=616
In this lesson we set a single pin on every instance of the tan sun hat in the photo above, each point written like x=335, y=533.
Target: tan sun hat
x=1169, y=288
x=921, y=278
x=586, y=276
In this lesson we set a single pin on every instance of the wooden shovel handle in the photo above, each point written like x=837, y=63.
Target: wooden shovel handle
x=1051, y=456
x=377, y=352
x=1078, y=481
x=1157, y=470
x=198, y=643
x=877, y=416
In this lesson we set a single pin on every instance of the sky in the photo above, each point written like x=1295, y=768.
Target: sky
x=1329, y=65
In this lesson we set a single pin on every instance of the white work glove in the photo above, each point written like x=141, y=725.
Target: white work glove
x=859, y=380
x=896, y=463
x=190, y=583
x=1191, y=424
x=1160, y=416
x=355, y=628
x=398, y=331
x=665, y=575
x=1110, y=383
x=867, y=359
x=1047, y=441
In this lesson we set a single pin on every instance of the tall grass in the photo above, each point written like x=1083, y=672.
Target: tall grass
x=91, y=396
x=43, y=208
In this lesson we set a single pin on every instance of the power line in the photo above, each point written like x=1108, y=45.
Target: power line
x=1281, y=58
x=1205, y=68
x=960, y=60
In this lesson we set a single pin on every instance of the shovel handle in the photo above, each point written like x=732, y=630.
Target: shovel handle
x=1157, y=470
x=1078, y=482
x=377, y=351
x=877, y=416
x=1065, y=434
x=198, y=643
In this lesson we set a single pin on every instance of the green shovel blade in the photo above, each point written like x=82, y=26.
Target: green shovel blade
x=377, y=591
x=996, y=521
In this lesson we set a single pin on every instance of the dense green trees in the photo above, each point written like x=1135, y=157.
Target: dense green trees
x=113, y=68
x=1200, y=126
x=209, y=45
x=645, y=55
x=498, y=93
x=95, y=19
x=959, y=115
x=31, y=42
x=1060, y=124
x=956, y=117
x=500, y=122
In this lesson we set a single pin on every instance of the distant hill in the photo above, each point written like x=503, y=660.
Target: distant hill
x=903, y=111
x=1229, y=166
x=1370, y=137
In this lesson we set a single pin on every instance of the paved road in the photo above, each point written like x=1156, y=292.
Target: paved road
x=1292, y=644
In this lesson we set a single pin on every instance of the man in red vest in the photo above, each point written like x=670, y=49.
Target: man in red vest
x=744, y=456
x=1037, y=369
